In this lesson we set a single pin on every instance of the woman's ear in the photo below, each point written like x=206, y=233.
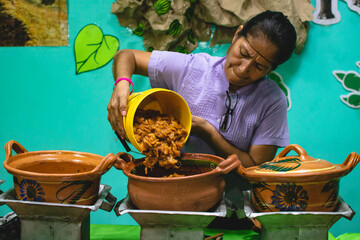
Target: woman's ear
x=237, y=32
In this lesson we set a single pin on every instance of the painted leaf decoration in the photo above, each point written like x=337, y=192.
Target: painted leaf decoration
x=93, y=49
x=139, y=30
x=162, y=7
x=352, y=99
x=279, y=166
x=339, y=75
x=352, y=81
x=279, y=81
x=175, y=28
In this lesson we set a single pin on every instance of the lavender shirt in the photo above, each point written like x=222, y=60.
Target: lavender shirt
x=260, y=116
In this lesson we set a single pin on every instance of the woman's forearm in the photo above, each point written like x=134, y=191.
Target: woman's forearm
x=206, y=131
x=256, y=155
x=124, y=64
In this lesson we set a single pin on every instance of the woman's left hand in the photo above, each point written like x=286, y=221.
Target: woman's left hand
x=199, y=126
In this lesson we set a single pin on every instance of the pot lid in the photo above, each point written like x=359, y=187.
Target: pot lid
x=300, y=168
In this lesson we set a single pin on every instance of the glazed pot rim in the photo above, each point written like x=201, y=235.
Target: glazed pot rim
x=299, y=178
x=52, y=176
x=184, y=156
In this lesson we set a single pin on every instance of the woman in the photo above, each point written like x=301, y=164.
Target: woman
x=235, y=108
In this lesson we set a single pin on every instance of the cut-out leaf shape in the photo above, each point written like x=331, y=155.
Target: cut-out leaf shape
x=162, y=7
x=350, y=80
x=352, y=99
x=276, y=77
x=175, y=28
x=93, y=49
x=139, y=30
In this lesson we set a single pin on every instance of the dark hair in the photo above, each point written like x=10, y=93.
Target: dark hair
x=277, y=28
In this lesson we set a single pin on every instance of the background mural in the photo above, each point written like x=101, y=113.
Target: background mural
x=33, y=23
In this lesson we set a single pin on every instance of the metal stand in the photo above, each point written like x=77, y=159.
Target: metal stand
x=165, y=225
x=296, y=225
x=41, y=220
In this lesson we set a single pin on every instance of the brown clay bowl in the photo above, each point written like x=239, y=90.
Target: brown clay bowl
x=297, y=183
x=56, y=176
x=200, y=190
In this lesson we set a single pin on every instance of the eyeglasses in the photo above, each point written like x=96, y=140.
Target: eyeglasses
x=226, y=119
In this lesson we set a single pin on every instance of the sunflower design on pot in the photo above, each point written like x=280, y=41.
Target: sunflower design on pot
x=290, y=197
x=31, y=190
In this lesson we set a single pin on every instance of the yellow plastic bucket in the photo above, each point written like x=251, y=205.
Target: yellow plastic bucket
x=166, y=101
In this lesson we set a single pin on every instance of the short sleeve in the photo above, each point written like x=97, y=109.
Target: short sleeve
x=273, y=128
x=168, y=69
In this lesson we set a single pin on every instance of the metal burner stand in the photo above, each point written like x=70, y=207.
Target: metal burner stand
x=41, y=220
x=296, y=225
x=165, y=225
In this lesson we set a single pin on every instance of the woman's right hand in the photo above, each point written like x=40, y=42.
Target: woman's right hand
x=117, y=107
x=126, y=63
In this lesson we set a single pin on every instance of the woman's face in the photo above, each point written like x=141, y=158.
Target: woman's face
x=248, y=59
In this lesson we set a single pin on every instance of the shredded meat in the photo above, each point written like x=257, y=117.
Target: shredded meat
x=160, y=137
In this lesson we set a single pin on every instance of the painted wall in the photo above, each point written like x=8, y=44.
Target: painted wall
x=45, y=106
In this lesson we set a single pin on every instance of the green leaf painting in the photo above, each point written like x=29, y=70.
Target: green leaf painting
x=175, y=28
x=276, y=77
x=352, y=99
x=284, y=165
x=139, y=30
x=93, y=49
x=162, y=7
x=350, y=81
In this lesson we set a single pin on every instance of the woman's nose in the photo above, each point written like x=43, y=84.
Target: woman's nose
x=244, y=65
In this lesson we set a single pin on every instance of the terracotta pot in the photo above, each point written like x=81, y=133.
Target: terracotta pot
x=297, y=183
x=201, y=190
x=56, y=176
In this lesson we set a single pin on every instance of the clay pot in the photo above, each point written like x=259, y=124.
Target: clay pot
x=56, y=176
x=201, y=189
x=297, y=183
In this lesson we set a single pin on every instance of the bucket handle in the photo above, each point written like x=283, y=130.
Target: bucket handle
x=229, y=164
x=106, y=163
x=13, y=145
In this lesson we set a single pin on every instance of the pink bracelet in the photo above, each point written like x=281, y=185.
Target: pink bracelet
x=126, y=79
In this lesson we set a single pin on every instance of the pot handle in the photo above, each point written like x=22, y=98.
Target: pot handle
x=229, y=164
x=350, y=162
x=13, y=145
x=106, y=163
x=299, y=150
x=241, y=170
x=122, y=160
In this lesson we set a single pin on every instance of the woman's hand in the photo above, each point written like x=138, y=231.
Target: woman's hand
x=256, y=155
x=117, y=107
x=126, y=63
x=199, y=126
